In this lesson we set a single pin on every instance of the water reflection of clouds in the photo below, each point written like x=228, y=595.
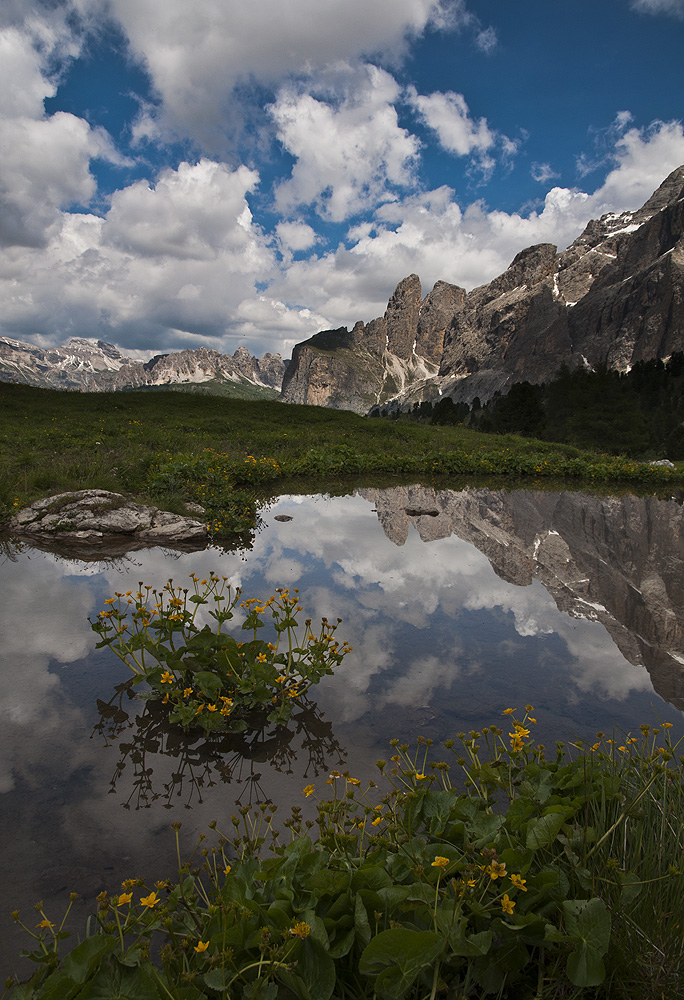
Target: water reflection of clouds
x=431, y=623
x=411, y=584
x=338, y=554
x=42, y=619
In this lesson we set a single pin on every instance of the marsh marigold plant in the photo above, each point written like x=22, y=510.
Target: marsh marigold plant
x=203, y=674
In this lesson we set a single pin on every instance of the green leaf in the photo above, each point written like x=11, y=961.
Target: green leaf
x=58, y=986
x=584, y=968
x=587, y=922
x=327, y=882
x=318, y=932
x=631, y=887
x=209, y=683
x=260, y=990
x=474, y=945
x=486, y=829
x=518, y=813
x=317, y=969
x=361, y=925
x=117, y=982
x=437, y=805
x=217, y=979
x=370, y=878
x=343, y=945
x=399, y=955
x=394, y=895
x=544, y=830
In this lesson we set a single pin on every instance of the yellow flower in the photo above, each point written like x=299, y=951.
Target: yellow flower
x=167, y=678
x=519, y=882
x=377, y=821
x=496, y=870
x=300, y=930
x=211, y=708
x=507, y=905
x=420, y=777
x=227, y=870
x=309, y=790
x=520, y=731
x=187, y=692
x=440, y=862
x=124, y=898
x=262, y=658
x=353, y=781
x=150, y=900
x=508, y=711
x=201, y=946
x=45, y=923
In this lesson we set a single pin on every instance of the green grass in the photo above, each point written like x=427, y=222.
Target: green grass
x=53, y=441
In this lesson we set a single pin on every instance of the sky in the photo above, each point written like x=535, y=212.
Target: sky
x=222, y=173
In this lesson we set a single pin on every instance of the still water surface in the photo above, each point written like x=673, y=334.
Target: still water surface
x=457, y=604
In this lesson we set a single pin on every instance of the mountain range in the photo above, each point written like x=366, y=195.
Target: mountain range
x=95, y=366
x=614, y=297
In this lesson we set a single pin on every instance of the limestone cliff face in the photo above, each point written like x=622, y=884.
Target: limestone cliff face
x=616, y=560
x=635, y=308
x=615, y=296
x=500, y=324
x=374, y=362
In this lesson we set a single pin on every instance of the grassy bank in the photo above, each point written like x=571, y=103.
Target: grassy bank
x=553, y=875
x=173, y=447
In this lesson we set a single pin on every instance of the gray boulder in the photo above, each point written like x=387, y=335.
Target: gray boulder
x=88, y=516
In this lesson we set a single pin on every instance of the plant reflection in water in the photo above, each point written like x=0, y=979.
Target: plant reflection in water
x=202, y=761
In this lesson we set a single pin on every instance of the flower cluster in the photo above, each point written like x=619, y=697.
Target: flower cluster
x=206, y=676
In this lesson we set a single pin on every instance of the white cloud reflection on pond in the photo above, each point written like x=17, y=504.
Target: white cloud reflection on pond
x=441, y=644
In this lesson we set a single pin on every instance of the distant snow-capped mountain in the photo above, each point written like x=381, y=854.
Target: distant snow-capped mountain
x=95, y=366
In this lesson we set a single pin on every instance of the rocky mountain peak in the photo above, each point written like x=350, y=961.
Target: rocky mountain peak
x=437, y=310
x=401, y=316
x=529, y=267
x=670, y=191
x=615, y=296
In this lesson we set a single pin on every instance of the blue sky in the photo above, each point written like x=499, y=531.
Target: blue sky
x=219, y=173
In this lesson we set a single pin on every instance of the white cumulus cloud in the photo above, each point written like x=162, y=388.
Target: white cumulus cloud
x=449, y=116
x=45, y=158
x=430, y=234
x=197, y=52
x=673, y=7
x=350, y=152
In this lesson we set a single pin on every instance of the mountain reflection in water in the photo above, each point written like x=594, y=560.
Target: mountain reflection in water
x=458, y=604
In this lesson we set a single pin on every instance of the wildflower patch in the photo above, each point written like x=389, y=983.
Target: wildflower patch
x=203, y=674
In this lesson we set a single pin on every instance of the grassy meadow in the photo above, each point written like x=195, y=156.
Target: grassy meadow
x=174, y=447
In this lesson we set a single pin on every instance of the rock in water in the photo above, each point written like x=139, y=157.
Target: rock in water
x=88, y=516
